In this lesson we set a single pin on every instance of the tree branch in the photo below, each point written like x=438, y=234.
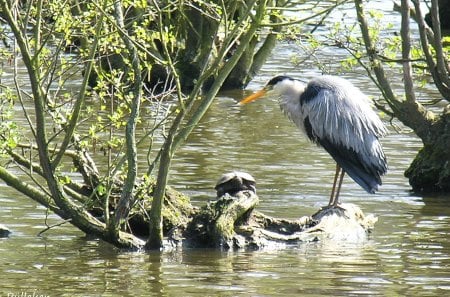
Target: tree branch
x=442, y=65
x=66, y=208
x=410, y=112
x=425, y=35
x=30, y=191
x=126, y=199
x=406, y=50
x=75, y=115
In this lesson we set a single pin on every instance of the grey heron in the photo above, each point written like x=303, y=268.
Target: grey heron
x=337, y=116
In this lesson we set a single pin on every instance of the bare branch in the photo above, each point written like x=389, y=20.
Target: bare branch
x=406, y=50
x=426, y=47
x=442, y=65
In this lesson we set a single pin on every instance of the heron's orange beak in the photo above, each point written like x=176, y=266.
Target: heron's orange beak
x=253, y=97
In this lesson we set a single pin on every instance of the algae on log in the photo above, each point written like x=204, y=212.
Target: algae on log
x=214, y=225
x=430, y=171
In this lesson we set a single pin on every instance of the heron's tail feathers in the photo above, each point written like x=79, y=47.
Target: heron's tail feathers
x=368, y=182
x=364, y=172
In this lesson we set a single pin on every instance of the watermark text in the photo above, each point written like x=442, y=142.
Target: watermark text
x=27, y=294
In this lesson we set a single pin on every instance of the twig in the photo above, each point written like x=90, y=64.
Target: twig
x=52, y=226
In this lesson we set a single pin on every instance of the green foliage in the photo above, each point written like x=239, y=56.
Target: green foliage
x=9, y=133
x=345, y=35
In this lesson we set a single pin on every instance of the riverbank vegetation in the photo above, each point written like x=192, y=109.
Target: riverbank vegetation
x=90, y=88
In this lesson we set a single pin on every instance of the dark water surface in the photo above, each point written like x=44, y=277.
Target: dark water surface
x=408, y=253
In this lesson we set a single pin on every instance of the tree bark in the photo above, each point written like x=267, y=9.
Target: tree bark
x=430, y=171
x=127, y=197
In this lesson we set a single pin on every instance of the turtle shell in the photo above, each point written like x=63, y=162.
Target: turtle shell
x=234, y=182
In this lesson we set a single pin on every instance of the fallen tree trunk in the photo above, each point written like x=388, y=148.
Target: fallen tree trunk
x=231, y=222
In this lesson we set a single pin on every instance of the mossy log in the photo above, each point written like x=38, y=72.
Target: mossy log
x=215, y=224
x=231, y=222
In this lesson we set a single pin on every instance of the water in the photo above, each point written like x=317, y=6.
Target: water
x=408, y=254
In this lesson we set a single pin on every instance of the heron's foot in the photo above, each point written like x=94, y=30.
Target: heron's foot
x=333, y=206
x=330, y=210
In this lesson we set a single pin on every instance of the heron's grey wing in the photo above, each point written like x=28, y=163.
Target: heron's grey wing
x=343, y=123
x=343, y=114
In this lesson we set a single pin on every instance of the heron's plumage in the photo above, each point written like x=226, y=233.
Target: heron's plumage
x=337, y=116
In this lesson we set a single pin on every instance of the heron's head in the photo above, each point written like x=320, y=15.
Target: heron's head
x=279, y=85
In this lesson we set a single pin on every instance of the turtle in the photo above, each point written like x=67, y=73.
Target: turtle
x=234, y=182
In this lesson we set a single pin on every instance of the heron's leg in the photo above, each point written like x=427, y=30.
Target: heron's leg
x=338, y=168
x=336, y=198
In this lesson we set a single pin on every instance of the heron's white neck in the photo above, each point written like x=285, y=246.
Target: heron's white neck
x=289, y=92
